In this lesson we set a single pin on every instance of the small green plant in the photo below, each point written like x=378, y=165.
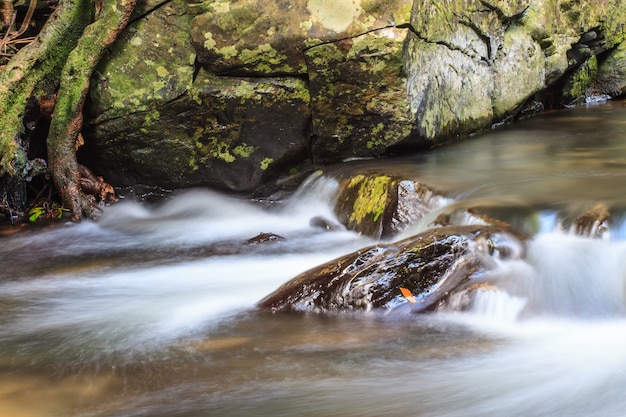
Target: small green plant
x=46, y=211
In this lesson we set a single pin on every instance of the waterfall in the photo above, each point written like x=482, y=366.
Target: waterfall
x=562, y=276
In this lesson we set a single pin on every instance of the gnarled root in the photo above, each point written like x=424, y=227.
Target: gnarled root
x=95, y=186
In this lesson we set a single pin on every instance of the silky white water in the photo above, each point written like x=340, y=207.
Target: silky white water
x=151, y=311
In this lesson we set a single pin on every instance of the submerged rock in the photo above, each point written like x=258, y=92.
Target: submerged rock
x=262, y=238
x=431, y=266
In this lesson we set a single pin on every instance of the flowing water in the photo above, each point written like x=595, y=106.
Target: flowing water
x=151, y=311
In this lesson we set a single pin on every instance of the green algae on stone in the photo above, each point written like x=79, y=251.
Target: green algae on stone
x=224, y=132
x=267, y=38
x=359, y=100
x=149, y=64
x=365, y=203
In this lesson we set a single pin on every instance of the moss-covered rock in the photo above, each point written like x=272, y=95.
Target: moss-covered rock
x=580, y=80
x=283, y=84
x=268, y=38
x=379, y=205
x=224, y=132
x=359, y=100
x=151, y=63
x=611, y=76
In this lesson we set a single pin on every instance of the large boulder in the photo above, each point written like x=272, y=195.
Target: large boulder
x=236, y=94
x=359, y=100
x=472, y=63
x=420, y=272
x=224, y=132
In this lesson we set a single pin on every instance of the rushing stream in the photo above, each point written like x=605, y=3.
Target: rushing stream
x=151, y=311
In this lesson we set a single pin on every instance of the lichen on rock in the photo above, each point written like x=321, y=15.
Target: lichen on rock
x=359, y=100
x=379, y=205
x=225, y=132
x=252, y=38
x=151, y=64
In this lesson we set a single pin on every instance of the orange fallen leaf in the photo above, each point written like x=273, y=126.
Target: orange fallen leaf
x=408, y=295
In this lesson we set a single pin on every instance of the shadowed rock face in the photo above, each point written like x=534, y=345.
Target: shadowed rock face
x=432, y=266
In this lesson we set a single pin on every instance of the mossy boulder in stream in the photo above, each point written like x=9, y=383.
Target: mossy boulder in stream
x=379, y=205
x=611, y=75
x=432, y=266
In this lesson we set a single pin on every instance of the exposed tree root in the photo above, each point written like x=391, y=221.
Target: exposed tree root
x=67, y=119
x=49, y=79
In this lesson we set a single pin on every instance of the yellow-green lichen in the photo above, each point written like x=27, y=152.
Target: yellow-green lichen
x=211, y=146
x=243, y=150
x=136, y=41
x=228, y=51
x=264, y=59
x=193, y=164
x=209, y=42
x=238, y=19
x=376, y=140
x=265, y=163
x=306, y=26
x=371, y=197
x=151, y=117
x=162, y=71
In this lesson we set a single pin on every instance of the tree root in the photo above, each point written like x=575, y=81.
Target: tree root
x=67, y=119
x=68, y=48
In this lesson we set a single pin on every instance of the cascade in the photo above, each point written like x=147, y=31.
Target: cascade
x=152, y=311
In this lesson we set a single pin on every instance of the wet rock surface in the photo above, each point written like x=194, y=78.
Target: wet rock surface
x=431, y=266
x=381, y=206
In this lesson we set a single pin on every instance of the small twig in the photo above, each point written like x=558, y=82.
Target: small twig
x=10, y=37
x=6, y=34
x=26, y=22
